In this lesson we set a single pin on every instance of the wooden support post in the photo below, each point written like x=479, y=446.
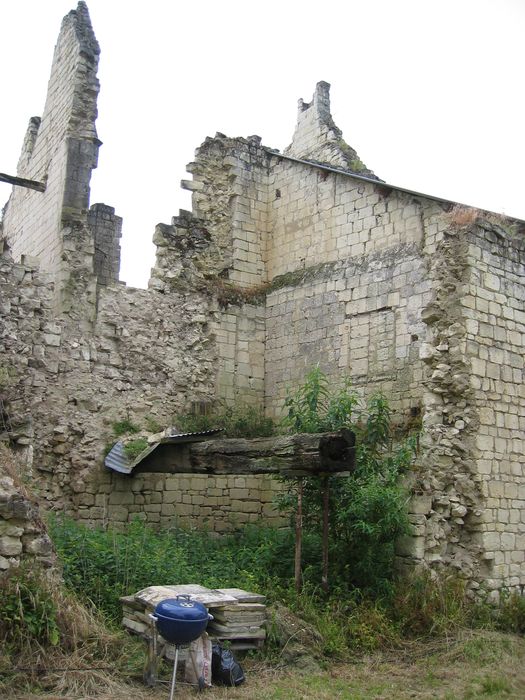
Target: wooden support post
x=326, y=509
x=299, y=536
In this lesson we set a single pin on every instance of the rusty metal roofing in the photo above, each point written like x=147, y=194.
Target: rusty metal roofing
x=118, y=461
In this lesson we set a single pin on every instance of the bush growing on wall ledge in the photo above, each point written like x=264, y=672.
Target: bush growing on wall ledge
x=241, y=420
x=367, y=508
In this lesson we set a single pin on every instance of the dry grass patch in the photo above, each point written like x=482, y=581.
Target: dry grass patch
x=475, y=665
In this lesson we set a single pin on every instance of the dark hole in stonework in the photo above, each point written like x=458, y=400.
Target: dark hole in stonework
x=415, y=411
x=323, y=175
x=413, y=338
x=338, y=449
x=277, y=194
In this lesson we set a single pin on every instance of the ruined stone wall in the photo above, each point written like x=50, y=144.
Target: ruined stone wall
x=66, y=383
x=230, y=192
x=106, y=228
x=317, y=216
x=60, y=149
x=351, y=259
x=467, y=507
x=23, y=537
x=281, y=265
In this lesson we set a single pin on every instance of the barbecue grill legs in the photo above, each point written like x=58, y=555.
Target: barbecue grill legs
x=174, y=671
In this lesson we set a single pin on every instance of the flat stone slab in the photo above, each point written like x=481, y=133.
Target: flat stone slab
x=153, y=595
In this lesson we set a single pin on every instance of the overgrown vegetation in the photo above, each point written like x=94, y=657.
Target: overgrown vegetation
x=367, y=509
x=101, y=566
x=133, y=448
x=49, y=641
x=28, y=610
x=104, y=565
x=241, y=420
x=124, y=427
x=462, y=217
x=366, y=608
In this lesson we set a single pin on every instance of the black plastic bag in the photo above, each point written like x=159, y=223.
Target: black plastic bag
x=225, y=669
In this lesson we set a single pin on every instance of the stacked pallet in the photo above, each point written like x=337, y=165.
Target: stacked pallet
x=242, y=623
x=239, y=616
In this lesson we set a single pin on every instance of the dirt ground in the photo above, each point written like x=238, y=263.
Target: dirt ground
x=473, y=665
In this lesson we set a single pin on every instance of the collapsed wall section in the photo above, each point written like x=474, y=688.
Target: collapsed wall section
x=468, y=504
x=149, y=356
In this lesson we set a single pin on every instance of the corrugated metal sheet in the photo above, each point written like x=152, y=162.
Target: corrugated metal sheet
x=118, y=461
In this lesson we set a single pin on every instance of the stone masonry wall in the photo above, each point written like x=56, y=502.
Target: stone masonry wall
x=215, y=503
x=106, y=228
x=282, y=264
x=60, y=149
x=66, y=383
x=495, y=338
x=23, y=537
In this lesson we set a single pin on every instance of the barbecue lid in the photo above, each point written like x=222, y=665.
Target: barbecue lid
x=181, y=608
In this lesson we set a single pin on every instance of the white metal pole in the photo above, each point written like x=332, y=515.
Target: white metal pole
x=174, y=671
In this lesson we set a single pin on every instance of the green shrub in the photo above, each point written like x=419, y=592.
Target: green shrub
x=426, y=604
x=152, y=425
x=367, y=509
x=314, y=408
x=510, y=615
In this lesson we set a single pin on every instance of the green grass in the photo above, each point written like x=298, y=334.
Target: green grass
x=124, y=427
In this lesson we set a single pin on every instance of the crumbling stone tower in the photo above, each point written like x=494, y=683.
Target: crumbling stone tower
x=61, y=150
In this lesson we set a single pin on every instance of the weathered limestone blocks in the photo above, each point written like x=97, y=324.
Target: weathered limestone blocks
x=106, y=229
x=22, y=534
x=217, y=503
x=469, y=494
x=317, y=137
x=229, y=190
x=60, y=149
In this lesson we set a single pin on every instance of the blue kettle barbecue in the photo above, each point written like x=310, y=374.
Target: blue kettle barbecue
x=180, y=621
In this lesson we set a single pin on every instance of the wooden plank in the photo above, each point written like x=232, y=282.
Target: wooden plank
x=223, y=632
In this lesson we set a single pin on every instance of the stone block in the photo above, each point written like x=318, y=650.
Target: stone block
x=117, y=513
x=40, y=545
x=120, y=498
x=10, y=529
x=420, y=504
x=413, y=547
x=10, y=546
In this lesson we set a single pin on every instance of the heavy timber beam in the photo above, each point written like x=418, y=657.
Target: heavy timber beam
x=291, y=455
x=22, y=182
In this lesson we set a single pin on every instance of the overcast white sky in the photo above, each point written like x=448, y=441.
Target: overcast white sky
x=429, y=92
